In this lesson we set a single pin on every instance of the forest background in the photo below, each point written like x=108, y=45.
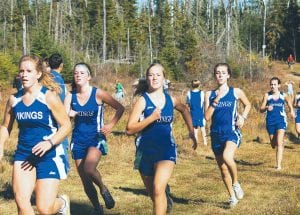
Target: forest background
x=187, y=37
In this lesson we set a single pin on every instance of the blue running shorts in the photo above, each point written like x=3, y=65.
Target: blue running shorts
x=147, y=158
x=79, y=150
x=218, y=140
x=47, y=167
x=198, y=123
x=275, y=127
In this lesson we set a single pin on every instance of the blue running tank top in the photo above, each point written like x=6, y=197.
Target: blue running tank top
x=225, y=113
x=195, y=99
x=278, y=114
x=88, y=120
x=158, y=134
x=60, y=81
x=35, y=122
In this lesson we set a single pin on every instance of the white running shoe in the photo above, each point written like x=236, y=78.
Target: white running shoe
x=65, y=209
x=239, y=193
x=232, y=201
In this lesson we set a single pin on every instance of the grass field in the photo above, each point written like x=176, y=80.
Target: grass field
x=196, y=184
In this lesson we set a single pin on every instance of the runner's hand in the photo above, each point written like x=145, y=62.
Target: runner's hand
x=192, y=136
x=41, y=148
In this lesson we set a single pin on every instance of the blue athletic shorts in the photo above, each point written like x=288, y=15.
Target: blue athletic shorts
x=198, y=123
x=46, y=167
x=275, y=127
x=79, y=150
x=146, y=159
x=218, y=140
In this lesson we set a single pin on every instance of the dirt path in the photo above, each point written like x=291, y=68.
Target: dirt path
x=285, y=74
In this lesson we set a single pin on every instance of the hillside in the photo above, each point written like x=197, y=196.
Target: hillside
x=196, y=184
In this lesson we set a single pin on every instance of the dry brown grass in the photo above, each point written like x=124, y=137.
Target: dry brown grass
x=196, y=184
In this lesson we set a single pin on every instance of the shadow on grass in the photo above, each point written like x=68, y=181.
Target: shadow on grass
x=118, y=133
x=246, y=163
x=296, y=73
x=284, y=175
x=258, y=140
x=175, y=199
x=241, y=162
x=184, y=201
x=293, y=138
x=289, y=147
x=209, y=158
x=7, y=192
x=135, y=191
x=80, y=208
x=223, y=205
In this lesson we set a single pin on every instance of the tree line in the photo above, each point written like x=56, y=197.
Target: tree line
x=186, y=36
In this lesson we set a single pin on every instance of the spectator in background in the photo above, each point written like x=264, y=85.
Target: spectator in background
x=56, y=65
x=119, y=91
x=290, y=61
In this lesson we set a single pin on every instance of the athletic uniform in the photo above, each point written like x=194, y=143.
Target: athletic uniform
x=88, y=122
x=60, y=81
x=297, y=119
x=276, y=118
x=36, y=123
x=223, y=127
x=156, y=143
x=195, y=100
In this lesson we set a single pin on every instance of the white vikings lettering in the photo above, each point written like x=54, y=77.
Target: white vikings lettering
x=85, y=113
x=165, y=119
x=30, y=115
x=225, y=104
x=277, y=104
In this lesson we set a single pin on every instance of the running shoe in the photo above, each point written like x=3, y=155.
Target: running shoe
x=239, y=193
x=65, y=209
x=108, y=199
x=232, y=201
